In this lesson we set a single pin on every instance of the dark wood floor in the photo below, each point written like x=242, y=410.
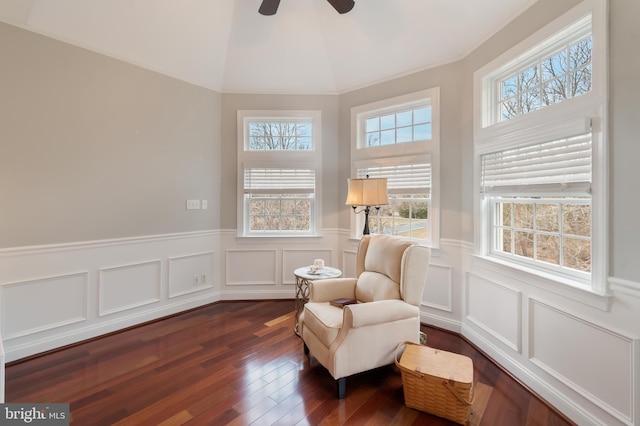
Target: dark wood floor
x=239, y=363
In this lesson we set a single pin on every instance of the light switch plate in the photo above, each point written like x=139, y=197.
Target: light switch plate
x=193, y=204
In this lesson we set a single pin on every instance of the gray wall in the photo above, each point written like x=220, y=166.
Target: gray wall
x=94, y=148
x=624, y=144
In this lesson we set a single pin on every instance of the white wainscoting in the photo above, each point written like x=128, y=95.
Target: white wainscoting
x=183, y=280
x=126, y=287
x=438, y=291
x=496, y=309
x=33, y=306
x=442, y=300
x=349, y=263
x=581, y=358
x=51, y=296
x=262, y=267
x=250, y=267
x=595, y=362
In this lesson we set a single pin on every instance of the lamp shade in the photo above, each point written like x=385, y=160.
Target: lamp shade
x=367, y=192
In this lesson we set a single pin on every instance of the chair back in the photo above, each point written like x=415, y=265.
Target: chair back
x=389, y=267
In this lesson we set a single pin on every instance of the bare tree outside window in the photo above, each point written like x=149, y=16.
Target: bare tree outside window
x=560, y=76
x=279, y=136
x=280, y=212
x=555, y=232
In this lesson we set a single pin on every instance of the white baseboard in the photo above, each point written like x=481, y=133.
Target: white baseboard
x=440, y=322
x=258, y=295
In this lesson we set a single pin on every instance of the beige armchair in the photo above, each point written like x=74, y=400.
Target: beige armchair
x=391, y=275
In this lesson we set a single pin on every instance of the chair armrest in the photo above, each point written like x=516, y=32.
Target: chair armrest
x=332, y=288
x=378, y=312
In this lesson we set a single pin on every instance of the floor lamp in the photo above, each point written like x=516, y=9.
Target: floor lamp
x=367, y=193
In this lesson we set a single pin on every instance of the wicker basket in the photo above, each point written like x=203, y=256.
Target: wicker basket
x=435, y=381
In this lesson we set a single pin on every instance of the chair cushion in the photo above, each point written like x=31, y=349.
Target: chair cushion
x=384, y=255
x=323, y=320
x=374, y=286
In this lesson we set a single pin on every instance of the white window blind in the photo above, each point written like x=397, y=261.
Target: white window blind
x=402, y=178
x=279, y=181
x=560, y=166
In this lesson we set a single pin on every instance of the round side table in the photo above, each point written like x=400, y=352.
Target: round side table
x=303, y=277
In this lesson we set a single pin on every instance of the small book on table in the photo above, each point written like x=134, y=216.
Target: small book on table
x=340, y=303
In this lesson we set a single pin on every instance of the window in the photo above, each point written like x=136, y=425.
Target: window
x=408, y=187
x=278, y=161
x=540, y=151
x=564, y=74
x=279, y=200
x=398, y=139
x=540, y=205
x=280, y=135
x=410, y=125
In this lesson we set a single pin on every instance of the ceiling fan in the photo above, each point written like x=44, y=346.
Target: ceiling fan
x=270, y=7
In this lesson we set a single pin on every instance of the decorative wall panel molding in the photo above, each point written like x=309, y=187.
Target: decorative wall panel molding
x=349, y=263
x=45, y=303
x=495, y=308
x=129, y=286
x=596, y=362
x=295, y=258
x=190, y=273
x=438, y=291
x=33, y=306
x=251, y=267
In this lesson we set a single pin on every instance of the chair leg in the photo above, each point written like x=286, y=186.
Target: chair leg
x=305, y=349
x=342, y=387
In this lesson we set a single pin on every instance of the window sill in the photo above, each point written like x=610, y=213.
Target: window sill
x=571, y=289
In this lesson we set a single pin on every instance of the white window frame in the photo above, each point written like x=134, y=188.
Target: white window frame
x=361, y=155
x=574, y=116
x=279, y=159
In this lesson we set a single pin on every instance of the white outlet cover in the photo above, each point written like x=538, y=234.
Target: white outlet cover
x=204, y=204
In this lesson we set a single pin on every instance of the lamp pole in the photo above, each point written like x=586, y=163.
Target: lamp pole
x=366, y=221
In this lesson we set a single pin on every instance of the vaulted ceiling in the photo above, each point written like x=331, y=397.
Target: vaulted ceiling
x=307, y=47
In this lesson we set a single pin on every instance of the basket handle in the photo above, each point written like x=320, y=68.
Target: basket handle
x=402, y=367
x=448, y=385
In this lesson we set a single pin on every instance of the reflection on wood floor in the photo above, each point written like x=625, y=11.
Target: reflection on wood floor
x=239, y=363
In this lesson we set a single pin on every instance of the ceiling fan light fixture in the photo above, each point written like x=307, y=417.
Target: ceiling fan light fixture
x=270, y=7
x=342, y=6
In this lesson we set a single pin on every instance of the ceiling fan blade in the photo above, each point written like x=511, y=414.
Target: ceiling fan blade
x=269, y=7
x=342, y=6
